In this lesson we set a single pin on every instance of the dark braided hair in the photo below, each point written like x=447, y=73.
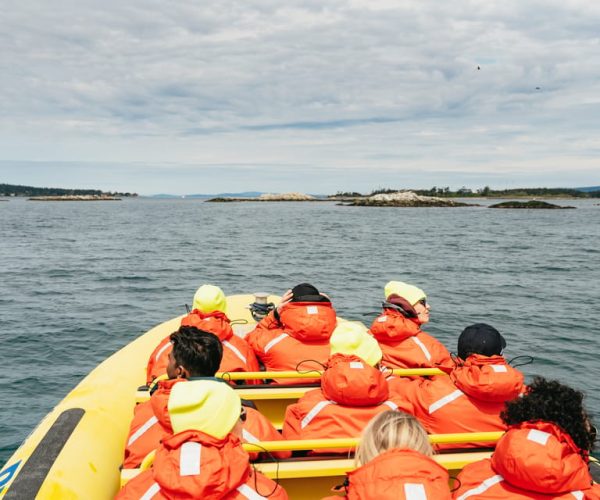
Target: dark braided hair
x=551, y=401
x=199, y=352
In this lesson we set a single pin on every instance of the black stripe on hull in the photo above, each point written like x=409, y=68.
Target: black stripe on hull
x=29, y=480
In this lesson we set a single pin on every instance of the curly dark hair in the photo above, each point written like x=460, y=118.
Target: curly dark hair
x=199, y=352
x=551, y=401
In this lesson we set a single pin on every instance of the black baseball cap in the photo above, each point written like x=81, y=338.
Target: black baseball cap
x=480, y=338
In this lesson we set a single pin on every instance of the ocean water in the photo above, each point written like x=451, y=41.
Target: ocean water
x=80, y=280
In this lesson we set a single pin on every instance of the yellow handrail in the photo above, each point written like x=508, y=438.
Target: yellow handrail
x=319, y=444
x=402, y=372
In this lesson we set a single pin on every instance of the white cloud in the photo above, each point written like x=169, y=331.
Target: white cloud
x=371, y=86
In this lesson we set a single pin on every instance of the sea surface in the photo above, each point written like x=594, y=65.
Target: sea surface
x=79, y=280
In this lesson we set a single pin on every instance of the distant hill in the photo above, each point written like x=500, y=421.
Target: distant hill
x=18, y=190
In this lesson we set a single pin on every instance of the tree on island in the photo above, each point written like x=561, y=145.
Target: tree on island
x=18, y=190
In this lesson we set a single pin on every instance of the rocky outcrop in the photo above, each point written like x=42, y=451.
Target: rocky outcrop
x=270, y=197
x=537, y=204
x=405, y=199
x=286, y=197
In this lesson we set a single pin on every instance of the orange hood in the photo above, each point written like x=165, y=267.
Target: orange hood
x=350, y=381
x=392, y=326
x=214, y=322
x=308, y=321
x=539, y=456
x=223, y=462
x=488, y=378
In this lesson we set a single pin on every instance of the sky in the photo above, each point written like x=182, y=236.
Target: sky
x=316, y=96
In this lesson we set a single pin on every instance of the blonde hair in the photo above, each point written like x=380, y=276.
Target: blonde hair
x=391, y=429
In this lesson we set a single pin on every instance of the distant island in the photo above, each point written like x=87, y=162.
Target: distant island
x=533, y=204
x=60, y=194
x=404, y=199
x=485, y=192
x=268, y=197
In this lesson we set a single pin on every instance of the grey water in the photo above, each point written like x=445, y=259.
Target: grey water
x=79, y=280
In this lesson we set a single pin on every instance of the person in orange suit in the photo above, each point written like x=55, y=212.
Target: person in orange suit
x=398, y=330
x=544, y=454
x=471, y=398
x=195, y=355
x=295, y=335
x=204, y=457
x=394, y=462
x=352, y=391
x=208, y=314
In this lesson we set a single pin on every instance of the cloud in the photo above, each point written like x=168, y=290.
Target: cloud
x=377, y=85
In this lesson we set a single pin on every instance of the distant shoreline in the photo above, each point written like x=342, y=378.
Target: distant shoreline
x=74, y=198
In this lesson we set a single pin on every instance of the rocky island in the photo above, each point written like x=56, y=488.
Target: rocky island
x=270, y=197
x=404, y=199
x=532, y=204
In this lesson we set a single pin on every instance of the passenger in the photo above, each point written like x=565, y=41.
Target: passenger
x=471, y=398
x=352, y=391
x=398, y=330
x=195, y=354
x=204, y=458
x=208, y=314
x=544, y=454
x=394, y=462
x=296, y=331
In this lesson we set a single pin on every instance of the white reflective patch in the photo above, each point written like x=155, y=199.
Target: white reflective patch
x=499, y=368
x=235, y=350
x=137, y=434
x=249, y=437
x=486, y=485
x=415, y=491
x=189, y=459
x=162, y=349
x=314, y=412
x=150, y=492
x=312, y=310
x=391, y=404
x=249, y=493
x=423, y=348
x=539, y=437
x=356, y=364
x=578, y=494
x=382, y=319
x=445, y=400
x=275, y=341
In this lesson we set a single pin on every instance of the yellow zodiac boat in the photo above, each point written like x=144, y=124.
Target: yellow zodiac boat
x=77, y=449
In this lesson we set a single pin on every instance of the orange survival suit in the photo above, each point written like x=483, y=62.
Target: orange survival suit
x=351, y=394
x=151, y=424
x=533, y=460
x=470, y=399
x=405, y=345
x=300, y=334
x=192, y=464
x=398, y=474
x=237, y=354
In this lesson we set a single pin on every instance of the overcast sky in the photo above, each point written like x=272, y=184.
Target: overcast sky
x=314, y=96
